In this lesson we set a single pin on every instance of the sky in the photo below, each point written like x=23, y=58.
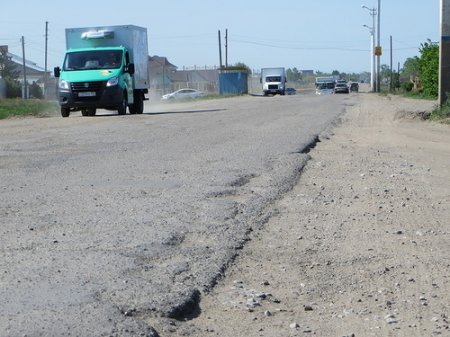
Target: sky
x=319, y=35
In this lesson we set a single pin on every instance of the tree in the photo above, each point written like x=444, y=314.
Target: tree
x=8, y=69
x=429, y=68
x=385, y=73
x=293, y=75
x=335, y=73
x=410, y=69
x=10, y=73
x=241, y=65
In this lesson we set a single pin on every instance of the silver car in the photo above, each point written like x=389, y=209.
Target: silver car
x=183, y=94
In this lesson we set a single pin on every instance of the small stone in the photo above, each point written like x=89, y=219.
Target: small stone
x=267, y=313
x=308, y=308
x=294, y=325
x=252, y=303
x=391, y=319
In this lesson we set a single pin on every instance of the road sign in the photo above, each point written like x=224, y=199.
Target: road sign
x=378, y=51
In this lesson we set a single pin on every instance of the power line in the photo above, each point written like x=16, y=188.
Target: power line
x=298, y=47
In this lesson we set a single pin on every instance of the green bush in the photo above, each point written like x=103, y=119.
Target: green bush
x=429, y=68
x=407, y=86
x=13, y=88
x=36, y=91
x=441, y=113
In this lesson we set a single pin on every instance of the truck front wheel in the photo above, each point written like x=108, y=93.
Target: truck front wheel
x=138, y=106
x=122, y=108
x=65, y=112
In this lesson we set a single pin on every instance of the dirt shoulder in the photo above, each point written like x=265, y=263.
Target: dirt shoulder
x=361, y=244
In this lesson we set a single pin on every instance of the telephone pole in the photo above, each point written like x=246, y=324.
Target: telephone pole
x=45, y=73
x=226, y=48
x=379, y=47
x=373, y=13
x=25, y=84
x=392, y=71
x=444, y=53
x=220, y=50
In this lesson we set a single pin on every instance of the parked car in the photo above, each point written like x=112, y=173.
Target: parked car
x=290, y=91
x=341, y=88
x=183, y=94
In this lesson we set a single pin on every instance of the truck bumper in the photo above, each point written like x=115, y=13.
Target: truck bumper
x=273, y=92
x=99, y=97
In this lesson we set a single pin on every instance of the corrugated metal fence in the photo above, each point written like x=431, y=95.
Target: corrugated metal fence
x=233, y=83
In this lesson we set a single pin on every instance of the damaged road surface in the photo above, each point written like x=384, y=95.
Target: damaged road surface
x=106, y=222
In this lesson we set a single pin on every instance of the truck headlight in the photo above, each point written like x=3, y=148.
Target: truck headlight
x=112, y=81
x=63, y=85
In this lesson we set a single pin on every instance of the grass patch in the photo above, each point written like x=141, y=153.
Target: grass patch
x=441, y=113
x=19, y=107
x=418, y=95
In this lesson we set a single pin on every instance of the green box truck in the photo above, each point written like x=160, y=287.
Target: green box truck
x=104, y=68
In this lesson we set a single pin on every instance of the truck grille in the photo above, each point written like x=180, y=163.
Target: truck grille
x=87, y=86
x=273, y=87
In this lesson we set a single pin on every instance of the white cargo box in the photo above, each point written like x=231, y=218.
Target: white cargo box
x=132, y=37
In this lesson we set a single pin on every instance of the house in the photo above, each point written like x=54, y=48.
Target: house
x=307, y=72
x=34, y=73
x=159, y=70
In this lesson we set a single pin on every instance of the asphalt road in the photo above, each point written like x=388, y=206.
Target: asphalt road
x=107, y=220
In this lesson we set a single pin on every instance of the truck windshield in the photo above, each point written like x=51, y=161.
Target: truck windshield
x=93, y=59
x=273, y=79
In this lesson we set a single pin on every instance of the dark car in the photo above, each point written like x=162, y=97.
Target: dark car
x=290, y=91
x=341, y=88
x=354, y=87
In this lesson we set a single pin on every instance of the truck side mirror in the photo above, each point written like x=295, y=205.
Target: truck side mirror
x=260, y=80
x=57, y=72
x=130, y=69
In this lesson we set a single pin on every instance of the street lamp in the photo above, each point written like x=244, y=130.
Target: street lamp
x=372, y=12
x=372, y=57
x=378, y=47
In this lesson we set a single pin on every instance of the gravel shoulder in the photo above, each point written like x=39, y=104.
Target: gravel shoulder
x=360, y=245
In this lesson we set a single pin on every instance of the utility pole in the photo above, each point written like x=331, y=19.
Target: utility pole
x=392, y=71
x=25, y=84
x=45, y=73
x=379, y=47
x=220, y=50
x=444, y=53
x=226, y=48
x=373, y=13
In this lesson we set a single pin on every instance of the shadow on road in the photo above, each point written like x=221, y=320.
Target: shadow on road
x=183, y=112
x=161, y=113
